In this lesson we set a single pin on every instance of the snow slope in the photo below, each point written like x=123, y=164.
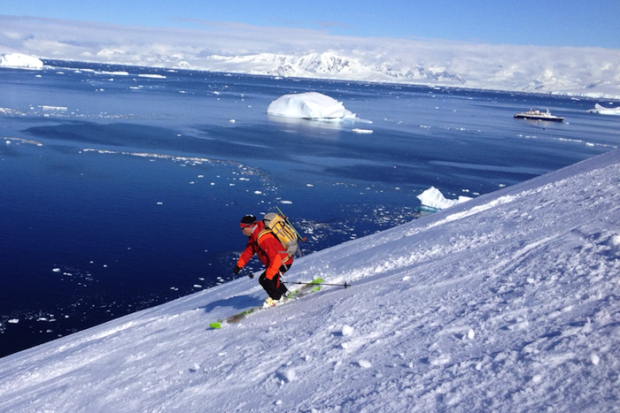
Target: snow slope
x=508, y=302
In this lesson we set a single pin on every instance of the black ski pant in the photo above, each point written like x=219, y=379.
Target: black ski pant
x=275, y=289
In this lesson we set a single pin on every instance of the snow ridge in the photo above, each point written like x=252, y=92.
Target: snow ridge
x=507, y=302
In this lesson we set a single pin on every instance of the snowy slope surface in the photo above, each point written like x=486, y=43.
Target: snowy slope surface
x=509, y=302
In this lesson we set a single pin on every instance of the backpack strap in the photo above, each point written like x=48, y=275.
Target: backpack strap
x=268, y=231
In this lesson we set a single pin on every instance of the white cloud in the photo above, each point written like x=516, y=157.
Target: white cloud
x=295, y=52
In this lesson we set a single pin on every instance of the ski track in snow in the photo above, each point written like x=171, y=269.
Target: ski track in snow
x=509, y=302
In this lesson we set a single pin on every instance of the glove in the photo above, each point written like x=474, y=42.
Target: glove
x=236, y=269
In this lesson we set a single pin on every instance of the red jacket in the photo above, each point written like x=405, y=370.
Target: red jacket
x=269, y=250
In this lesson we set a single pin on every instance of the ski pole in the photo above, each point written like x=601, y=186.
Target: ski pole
x=345, y=285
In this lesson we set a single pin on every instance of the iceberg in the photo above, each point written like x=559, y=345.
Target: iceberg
x=432, y=198
x=602, y=110
x=309, y=105
x=20, y=61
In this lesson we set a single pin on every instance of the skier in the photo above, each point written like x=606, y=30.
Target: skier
x=270, y=252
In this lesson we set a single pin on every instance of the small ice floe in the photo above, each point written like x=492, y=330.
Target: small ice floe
x=286, y=202
x=257, y=192
x=54, y=108
x=347, y=330
x=152, y=76
x=159, y=203
x=14, y=320
x=232, y=121
x=358, y=130
x=56, y=270
x=365, y=364
x=433, y=199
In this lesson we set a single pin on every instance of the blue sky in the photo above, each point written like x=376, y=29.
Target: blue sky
x=525, y=22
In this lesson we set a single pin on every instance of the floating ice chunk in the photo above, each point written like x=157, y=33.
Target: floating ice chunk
x=232, y=121
x=286, y=202
x=56, y=270
x=602, y=110
x=152, y=76
x=357, y=130
x=20, y=61
x=365, y=364
x=58, y=108
x=433, y=198
x=14, y=320
x=310, y=105
x=347, y=330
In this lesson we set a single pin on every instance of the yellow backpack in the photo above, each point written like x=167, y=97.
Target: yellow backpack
x=282, y=229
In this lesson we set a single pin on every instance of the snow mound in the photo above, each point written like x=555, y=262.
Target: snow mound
x=309, y=105
x=433, y=198
x=602, y=110
x=20, y=61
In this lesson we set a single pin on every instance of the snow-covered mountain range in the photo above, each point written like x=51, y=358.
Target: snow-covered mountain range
x=508, y=302
x=591, y=72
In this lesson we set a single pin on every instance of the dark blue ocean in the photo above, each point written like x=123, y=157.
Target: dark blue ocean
x=122, y=187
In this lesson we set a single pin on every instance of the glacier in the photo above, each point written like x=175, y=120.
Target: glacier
x=507, y=302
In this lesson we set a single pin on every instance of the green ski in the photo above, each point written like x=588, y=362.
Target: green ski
x=308, y=288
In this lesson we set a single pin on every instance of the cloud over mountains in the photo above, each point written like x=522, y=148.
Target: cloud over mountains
x=272, y=51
